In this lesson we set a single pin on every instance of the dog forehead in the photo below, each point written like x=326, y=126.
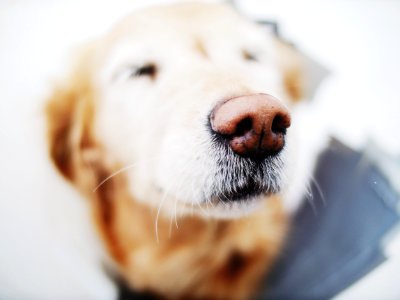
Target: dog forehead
x=199, y=19
x=165, y=31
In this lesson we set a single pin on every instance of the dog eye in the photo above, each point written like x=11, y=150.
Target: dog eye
x=133, y=71
x=149, y=70
x=248, y=56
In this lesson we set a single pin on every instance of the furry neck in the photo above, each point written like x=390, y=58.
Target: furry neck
x=198, y=258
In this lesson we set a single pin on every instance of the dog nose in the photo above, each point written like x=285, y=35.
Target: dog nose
x=253, y=125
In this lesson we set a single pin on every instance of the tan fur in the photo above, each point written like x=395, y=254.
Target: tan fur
x=205, y=259
x=202, y=258
x=292, y=70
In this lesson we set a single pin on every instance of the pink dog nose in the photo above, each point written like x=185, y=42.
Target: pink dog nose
x=254, y=125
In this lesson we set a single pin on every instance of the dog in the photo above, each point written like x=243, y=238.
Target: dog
x=176, y=128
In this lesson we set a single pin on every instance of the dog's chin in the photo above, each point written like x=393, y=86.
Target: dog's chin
x=240, y=207
x=235, y=187
x=240, y=185
x=246, y=192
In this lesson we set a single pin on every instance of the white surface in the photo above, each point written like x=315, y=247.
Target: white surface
x=357, y=40
x=383, y=282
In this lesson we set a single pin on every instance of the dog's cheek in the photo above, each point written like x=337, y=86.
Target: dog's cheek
x=185, y=165
x=131, y=128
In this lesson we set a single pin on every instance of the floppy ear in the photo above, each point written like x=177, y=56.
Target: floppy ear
x=293, y=71
x=77, y=154
x=302, y=75
x=70, y=117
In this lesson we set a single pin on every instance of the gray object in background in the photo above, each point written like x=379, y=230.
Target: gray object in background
x=337, y=235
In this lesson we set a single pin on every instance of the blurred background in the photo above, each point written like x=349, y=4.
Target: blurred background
x=356, y=42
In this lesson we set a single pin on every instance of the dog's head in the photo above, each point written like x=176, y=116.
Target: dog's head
x=189, y=103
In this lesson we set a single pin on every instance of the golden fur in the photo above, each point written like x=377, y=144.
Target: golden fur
x=202, y=258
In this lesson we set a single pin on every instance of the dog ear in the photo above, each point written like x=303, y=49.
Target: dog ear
x=77, y=154
x=70, y=117
x=292, y=69
x=302, y=75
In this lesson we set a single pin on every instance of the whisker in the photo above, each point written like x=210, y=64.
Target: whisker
x=173, y=216
x=159, y=210
x=176, y=219
x=123, y=169
x=176, y=200
x=310, y=200
x=318, y=187
x=170, y=227
x=205, y=213
x=162, y=202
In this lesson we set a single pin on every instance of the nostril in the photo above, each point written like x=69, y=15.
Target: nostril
x=243, y=127
x=280, y=124
x=252, y=126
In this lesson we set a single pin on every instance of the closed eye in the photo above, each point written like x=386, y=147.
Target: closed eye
x=146, y=70
x=131, y=72
x=247, y=55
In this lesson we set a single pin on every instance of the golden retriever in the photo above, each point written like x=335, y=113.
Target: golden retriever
x=175, y=127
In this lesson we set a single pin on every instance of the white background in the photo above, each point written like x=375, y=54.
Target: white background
x=358, y=41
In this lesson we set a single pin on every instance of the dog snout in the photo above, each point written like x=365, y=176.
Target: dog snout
x=253, y=125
